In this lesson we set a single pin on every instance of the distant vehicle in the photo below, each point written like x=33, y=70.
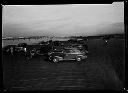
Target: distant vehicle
x=56, y=43
x=81, y=46
x=31, y=53
x=72, y=40
x=43, y=43
x=44, y=50
x=21, y=47
x=8, y=49
x=67, y=54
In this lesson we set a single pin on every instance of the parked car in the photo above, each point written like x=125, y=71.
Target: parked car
x=21, y=47
x=83, y=47
x=43, y=43
x=30, y=53
x=44, y=50
x=22, y=44
x=67, y=54
x=8, y=49
x=26, y=50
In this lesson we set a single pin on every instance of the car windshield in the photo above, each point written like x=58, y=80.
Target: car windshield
x=76, y=51
x=72, y=51
x=67, y=51
x=57, y=50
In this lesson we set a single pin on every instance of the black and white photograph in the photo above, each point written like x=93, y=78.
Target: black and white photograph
x=63, y=47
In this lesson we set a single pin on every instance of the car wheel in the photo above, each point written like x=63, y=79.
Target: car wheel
x=78, y=59
x=50, y=58
x=38, y=52
x=55, y=60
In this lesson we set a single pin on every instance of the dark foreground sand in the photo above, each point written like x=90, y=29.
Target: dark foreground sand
x=103, y=70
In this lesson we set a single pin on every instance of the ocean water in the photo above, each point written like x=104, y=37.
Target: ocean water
x=29, y=42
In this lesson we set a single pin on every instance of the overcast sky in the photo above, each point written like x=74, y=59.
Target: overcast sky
x=63, y=20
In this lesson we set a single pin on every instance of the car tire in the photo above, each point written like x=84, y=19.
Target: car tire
x=55, y=60
x=50, y=58
x=78, y=59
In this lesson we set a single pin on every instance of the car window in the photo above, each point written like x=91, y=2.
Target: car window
x=76, y=51
x=67, y=51
x=57, y=51
x=70, y=51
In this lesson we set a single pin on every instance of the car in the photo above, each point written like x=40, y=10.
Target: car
x=67, y=54
x=8, y=49
x=43, y=43
x=21, y=47
x=81, y=47
x=30, y=53
x=22, y=44
x=43, y=50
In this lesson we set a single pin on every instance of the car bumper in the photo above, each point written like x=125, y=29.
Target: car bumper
x=84, y=57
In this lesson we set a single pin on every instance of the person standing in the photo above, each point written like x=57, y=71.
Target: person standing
x=11, y=50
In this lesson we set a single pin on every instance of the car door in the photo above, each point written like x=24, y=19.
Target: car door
x=69, y=55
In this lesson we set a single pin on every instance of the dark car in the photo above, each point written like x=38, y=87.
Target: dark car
x=30, y=53
x=44, y=49
x=43, y=43
x=67, y=54
x=26, y=50
x=81, y=47
x=8, y=49
x=22, y=44
x=21, y=47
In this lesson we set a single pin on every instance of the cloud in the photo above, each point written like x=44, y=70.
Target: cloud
x=61, y=20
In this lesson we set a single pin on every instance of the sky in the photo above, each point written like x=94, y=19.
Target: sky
x=62, y=20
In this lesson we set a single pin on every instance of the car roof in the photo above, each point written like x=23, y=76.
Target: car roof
x=72, y=48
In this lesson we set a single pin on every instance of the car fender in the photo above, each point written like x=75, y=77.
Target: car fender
x=83, y=57
x=78, y=56
x=60, y=58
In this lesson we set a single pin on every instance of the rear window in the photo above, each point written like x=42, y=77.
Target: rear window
x=67, y=51
x=72, y=51
x=76, y=51
x=57, y=50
